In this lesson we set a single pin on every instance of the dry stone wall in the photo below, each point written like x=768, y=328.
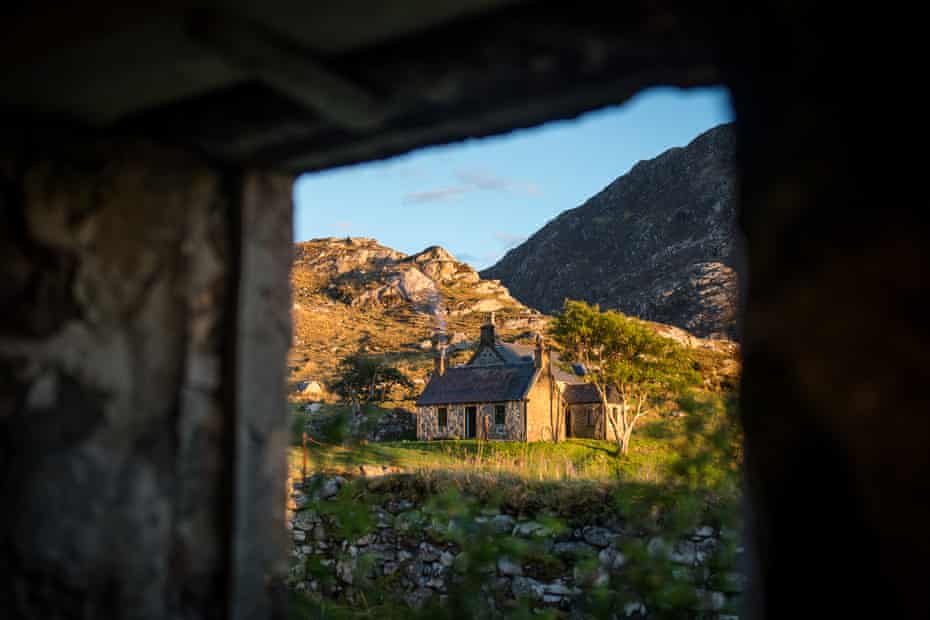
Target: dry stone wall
x=406, y=552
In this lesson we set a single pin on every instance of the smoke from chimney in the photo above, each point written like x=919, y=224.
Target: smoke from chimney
x=440, y=359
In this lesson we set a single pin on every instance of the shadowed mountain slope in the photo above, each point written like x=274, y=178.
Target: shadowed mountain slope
x=658, y=243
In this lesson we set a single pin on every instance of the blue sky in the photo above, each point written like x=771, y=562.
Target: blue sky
x=479, y=198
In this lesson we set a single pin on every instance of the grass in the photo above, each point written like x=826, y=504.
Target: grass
x=572, y=459
x=697, y=452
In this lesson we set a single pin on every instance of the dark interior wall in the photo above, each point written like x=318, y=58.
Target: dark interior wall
x=140, y=316
x=127, y=414
x=834, y=391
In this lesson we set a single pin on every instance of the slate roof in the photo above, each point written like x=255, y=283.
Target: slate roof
x=517, y=353
x=479, y=384
x=585, y=393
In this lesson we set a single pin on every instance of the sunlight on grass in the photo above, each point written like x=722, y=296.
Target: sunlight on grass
x=574, y=459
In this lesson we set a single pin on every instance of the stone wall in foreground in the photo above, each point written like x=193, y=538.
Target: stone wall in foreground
x=406, y=552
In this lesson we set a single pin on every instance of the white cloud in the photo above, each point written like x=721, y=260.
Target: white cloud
x=480, y=179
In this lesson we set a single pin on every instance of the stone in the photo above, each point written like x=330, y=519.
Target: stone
x=331, y=486
x=634, y=607
x=436, y=583
x=501, y=524
x=446, y=559
x=299, y=535
x=525, y=587
x=684, y=552
x=395, y=506
x=417, y=598
x=389, y=567
x=573, y=549
x=559, y=588
x=345, y=570
x=657, y=548
x=305, y=520
x=705, y=531
x=611, y=559
x=598, y=536
x=507, y=566
x=297, y=571
x=428, y=553
x=710, y=600
x=527, y=529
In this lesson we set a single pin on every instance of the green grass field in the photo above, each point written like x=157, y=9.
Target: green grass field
x=656, y=454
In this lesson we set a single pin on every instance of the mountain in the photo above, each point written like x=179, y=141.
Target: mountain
x=354, y=294
x=658, y=243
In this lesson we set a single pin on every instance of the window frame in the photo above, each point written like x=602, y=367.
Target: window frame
x=442, y=417
x=502, y=409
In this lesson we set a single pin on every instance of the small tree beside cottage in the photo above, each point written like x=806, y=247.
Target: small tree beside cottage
x=622, y=354
x=361, y=376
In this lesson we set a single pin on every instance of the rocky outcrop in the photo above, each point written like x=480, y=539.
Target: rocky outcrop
x=362, y=273
x=658, y=243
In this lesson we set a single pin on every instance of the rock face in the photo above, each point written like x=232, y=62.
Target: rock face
x=658, y=243
x=362, y=273
x=354, y=294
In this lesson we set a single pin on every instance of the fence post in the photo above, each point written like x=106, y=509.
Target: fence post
x=304, y=469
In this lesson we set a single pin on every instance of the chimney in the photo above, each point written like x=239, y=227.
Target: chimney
x=440, y=361
x=541, y=356
x=488, y=337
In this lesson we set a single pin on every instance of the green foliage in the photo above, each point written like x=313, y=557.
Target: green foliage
x=622, y=350
x=683, y=472
x=362, y=376
x=623, y=353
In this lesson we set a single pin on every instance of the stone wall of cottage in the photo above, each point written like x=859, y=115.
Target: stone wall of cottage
x=428, y=421
x=403, y=553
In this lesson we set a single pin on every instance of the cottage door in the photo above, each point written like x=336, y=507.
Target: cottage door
x=471, y=422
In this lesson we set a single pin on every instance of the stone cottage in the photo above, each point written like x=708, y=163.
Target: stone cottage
x=508, y=391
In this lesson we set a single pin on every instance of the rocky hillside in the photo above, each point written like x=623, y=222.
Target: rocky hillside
x=354, y=294
x=658, y=243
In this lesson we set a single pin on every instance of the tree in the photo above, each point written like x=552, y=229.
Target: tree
x=623, y=353
x=361, y=375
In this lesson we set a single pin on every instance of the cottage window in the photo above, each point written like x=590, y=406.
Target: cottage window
x=443, y=417
x=500, y=415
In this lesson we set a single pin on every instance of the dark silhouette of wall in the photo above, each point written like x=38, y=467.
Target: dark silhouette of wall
x=145, y=298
